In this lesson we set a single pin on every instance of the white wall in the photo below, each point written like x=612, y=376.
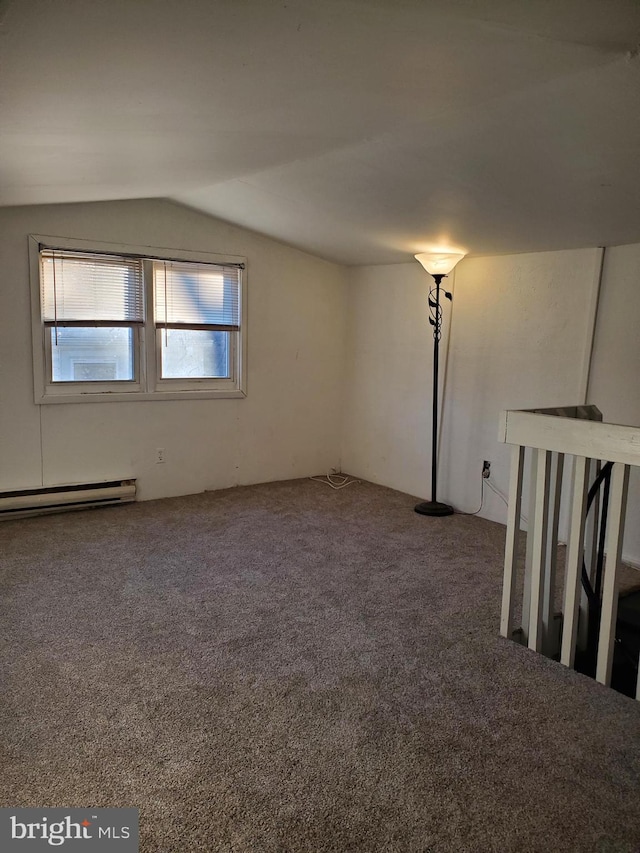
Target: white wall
x=387, y=432
x=289, y=424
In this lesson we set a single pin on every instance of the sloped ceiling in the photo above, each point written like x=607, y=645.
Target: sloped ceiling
x=359, y=130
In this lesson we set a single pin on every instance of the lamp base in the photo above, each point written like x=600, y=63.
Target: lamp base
x=433, y=508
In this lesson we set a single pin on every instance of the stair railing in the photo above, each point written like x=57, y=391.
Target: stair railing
x=546, y=437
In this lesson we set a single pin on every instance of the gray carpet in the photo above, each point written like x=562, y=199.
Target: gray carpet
x=288, y=668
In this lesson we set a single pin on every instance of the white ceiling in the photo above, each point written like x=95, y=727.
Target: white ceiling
x=359, y=130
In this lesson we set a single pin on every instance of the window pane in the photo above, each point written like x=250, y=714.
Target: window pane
x=194, y=354
x=91, y=287
x=92, y=354
x=196, y=294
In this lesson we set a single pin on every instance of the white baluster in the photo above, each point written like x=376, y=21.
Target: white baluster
x=590, y=555
x=549, y=641
x=575, y=553
x=615, y=528
x=511, y=545
x=539, y=548
x=528, y=557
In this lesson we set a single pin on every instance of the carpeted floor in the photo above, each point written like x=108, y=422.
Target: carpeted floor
x=288, y=668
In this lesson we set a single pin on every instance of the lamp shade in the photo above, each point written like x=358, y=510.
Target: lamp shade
x=439, y=263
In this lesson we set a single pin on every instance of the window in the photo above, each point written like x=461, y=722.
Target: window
x=110, y=324
x=92, y=308
x=196, y=317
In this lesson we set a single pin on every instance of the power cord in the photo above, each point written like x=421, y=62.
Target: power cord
x=504, y=499
x=336, y=481
x=459, y=512
x=487, y=482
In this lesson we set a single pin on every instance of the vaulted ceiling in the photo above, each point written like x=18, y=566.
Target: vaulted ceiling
x=359, y=130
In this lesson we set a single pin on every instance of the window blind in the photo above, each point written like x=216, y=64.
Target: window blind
x=91, y=290
x=197, y=296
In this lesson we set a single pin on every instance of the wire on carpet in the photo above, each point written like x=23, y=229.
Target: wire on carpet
x=336, y=481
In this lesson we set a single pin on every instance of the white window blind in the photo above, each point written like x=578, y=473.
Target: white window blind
x=91, y=290
x=197, y=296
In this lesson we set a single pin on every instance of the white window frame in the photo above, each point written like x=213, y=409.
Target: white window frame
x=147, y=384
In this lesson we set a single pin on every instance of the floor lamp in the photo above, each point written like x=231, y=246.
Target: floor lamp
x=438, y=265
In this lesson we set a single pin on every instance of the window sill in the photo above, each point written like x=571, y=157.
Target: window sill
x=139, y=396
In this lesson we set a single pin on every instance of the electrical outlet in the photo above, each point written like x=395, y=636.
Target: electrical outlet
x=159, y=455
x=486, y=469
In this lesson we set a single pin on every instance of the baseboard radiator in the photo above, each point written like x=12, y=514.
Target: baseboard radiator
x=40, y=501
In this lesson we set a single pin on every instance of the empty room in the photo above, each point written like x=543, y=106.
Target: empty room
x=320, y=426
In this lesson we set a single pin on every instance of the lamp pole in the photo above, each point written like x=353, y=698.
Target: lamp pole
x=434, y=433
x=434, y=506
x=437, y=265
